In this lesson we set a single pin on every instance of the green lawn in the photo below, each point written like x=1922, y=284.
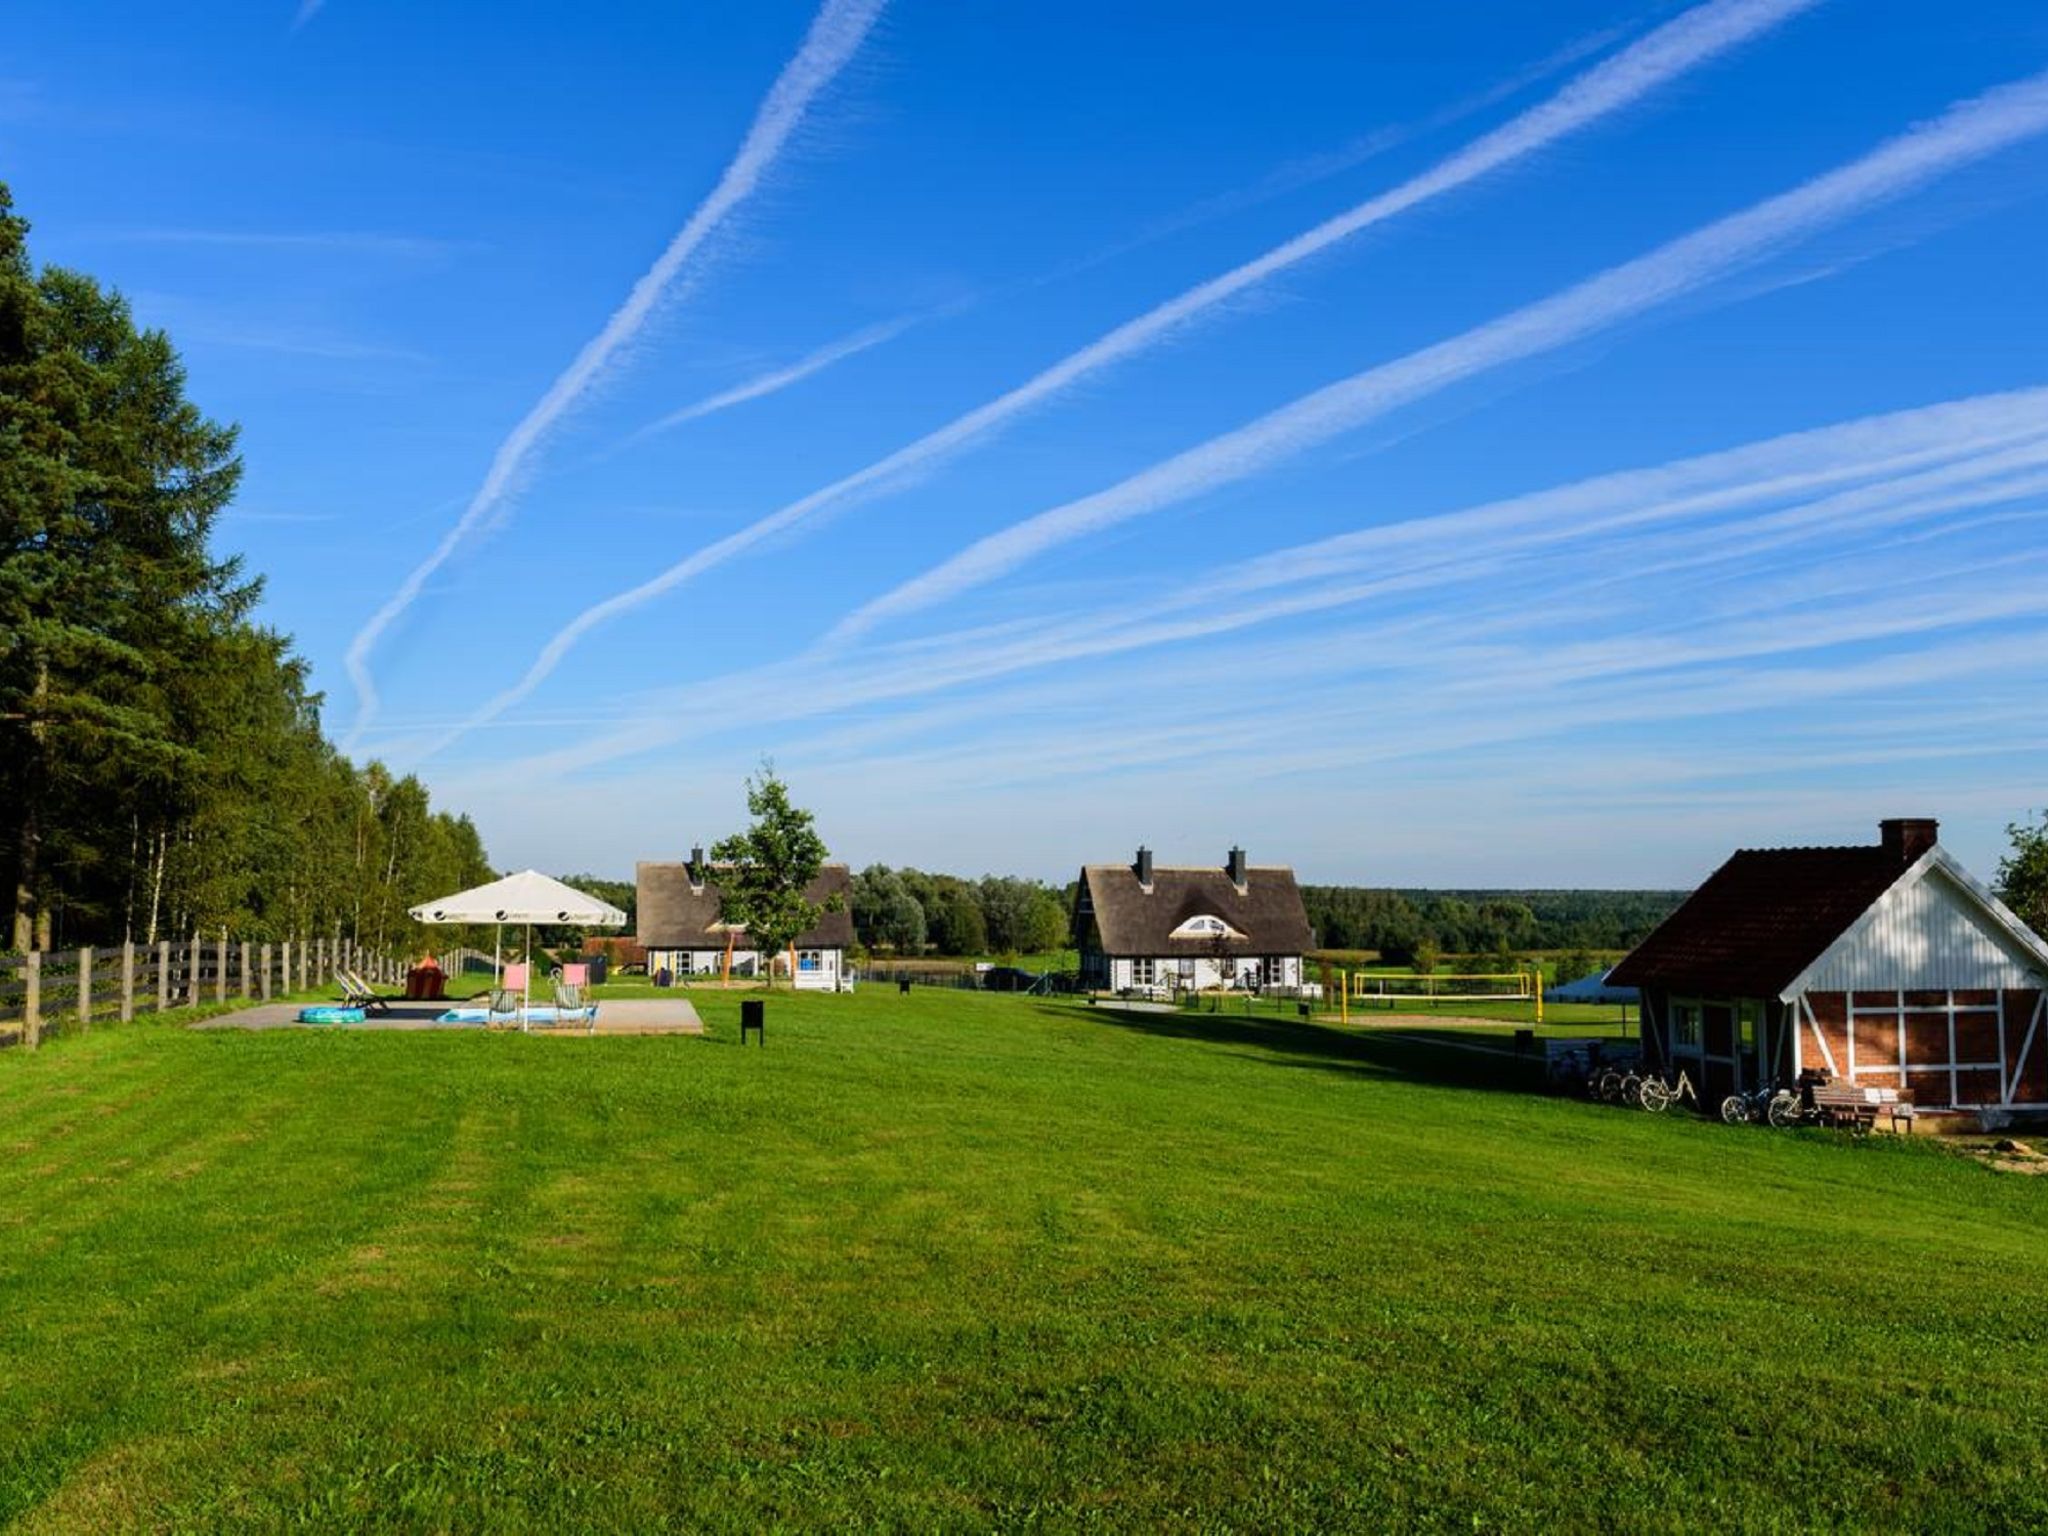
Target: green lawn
x=961, y=1261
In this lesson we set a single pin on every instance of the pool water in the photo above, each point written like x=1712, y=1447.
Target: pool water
x=538, y=1015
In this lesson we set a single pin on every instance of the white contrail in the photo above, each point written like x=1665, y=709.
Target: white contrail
x=836, y=33
x=1968, y=131
x=308, y=9
x=1681, y=44
x=1871, y=471
x=779, y=378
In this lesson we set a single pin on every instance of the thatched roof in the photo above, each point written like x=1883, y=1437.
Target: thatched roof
x=674, y=913
x=1134, y=921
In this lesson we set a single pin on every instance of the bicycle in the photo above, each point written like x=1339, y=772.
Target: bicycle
x=1656, y=1095
x=1757, y=1106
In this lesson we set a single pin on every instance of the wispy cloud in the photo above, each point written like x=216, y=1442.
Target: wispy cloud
x=1969, y=131
x=1702, y=33
x=1454, y=580
x=353, y=242
x=205, y=323
x=836, y=34
x=308, y=9
x=778, y=378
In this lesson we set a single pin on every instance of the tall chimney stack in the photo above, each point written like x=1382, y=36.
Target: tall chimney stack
x=1905, y=838
x=1237, y=868
x=1144, y=868
x=697, y=867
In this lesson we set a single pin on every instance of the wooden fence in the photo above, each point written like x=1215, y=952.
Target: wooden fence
x=42, y=993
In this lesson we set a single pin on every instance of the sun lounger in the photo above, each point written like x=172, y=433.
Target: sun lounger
x=358, y=993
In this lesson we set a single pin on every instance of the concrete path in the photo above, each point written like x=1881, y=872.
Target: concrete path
x=615, y=1016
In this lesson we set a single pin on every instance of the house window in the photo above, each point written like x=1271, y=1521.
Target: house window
x=1685, y=1025
x=1205, y=926
x=1144, y=971
x=810, y=960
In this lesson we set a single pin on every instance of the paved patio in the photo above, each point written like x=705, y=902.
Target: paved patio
x=615, y=1016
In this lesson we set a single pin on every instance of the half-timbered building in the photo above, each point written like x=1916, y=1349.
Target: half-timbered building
x=1885, y=965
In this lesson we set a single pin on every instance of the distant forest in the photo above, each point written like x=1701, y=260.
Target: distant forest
x=1407, y=925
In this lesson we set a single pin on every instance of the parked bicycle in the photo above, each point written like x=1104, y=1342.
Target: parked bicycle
x=1769, y=1104
x=1656, y=1095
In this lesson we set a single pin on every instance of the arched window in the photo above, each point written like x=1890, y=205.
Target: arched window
x=1206, y=927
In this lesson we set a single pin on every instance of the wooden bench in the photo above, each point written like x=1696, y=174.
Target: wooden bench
x=1845, y=1106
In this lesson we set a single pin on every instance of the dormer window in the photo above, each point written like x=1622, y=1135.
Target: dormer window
x=1206, y=927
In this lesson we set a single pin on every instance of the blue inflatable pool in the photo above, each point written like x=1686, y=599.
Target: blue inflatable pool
x=326, y=1014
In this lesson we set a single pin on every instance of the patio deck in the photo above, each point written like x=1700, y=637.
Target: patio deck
x=615, y=1016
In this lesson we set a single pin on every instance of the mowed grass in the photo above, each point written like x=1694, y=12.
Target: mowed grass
x=958, y=1262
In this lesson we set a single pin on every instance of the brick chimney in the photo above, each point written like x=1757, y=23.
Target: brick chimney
x=1237, y=868
x=1143, y=866
x=1905, y=838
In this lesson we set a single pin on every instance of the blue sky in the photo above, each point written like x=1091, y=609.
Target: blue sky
x=1518, y=444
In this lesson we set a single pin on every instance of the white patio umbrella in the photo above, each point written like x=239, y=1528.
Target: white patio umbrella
x=528, y=897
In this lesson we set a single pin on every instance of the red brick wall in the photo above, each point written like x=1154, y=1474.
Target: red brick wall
x=1927, y=1044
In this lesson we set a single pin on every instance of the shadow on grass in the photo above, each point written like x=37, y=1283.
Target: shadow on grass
x=1445, y=1056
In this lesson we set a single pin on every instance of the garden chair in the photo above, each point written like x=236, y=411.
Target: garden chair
x=358, y=993
x=504, y=1010
x=572, y=1003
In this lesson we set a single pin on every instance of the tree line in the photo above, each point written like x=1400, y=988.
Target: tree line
x=1407, y=926
x=912, y=912
x=162, y=766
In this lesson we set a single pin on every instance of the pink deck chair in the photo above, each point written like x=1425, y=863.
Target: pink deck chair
x=572, y=1003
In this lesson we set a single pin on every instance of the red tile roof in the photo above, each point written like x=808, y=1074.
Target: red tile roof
x=1761, y=919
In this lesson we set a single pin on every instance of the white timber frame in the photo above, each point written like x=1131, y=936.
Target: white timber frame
x=1890, y=1003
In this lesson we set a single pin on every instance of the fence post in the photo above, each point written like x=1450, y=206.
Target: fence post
x=85, y=989
x=264, y=985
x=32, y=998
x=192, y=960
x=163, y=975
x=127, y=980
x=285, y=968
x=220, y=980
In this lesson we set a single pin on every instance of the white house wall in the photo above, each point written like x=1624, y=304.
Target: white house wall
x=1929, y=935
x=1167, y=972
x=746, y=963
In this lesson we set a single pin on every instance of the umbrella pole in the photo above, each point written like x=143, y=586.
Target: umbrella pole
x=526, y=1003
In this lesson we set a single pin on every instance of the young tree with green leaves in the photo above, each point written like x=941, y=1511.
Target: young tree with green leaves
x=769, y=867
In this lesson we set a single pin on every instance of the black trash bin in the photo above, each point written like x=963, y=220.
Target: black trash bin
x=600, y=966
x=753, y=1016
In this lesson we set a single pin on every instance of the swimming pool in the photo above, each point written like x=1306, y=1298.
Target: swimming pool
x=538, y=1015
